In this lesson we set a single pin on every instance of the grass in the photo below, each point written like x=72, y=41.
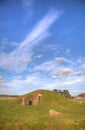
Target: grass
x=14, y=116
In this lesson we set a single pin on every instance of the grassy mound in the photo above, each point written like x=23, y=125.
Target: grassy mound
x=14, y=116
x=48, y=97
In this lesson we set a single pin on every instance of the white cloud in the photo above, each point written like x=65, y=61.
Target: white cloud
x=83, y=66
x=79, y=60
x=67, y=51
x=23, y=86
x=67, y=31
x=66, y=71
x=41, y=29
x=54, y=77
x=38, y=56
x=79, y=73
x=71, y=81
x=37, y=81
x=27, y=3
x=14, y=44
x=61, y=59
x=3, y=43
x=1, y=80
x=28, y=6
x=14, y=61
x=49, y=67
x=54, y=68
x=19, y=77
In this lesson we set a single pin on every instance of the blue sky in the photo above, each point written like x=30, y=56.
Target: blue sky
x=42, y=45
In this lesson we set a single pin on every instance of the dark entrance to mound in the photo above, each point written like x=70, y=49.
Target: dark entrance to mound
x=30, y=102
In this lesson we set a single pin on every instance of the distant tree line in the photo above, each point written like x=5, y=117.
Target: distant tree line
x=65, y=93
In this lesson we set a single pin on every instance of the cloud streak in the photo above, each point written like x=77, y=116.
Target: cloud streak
x=28, y=6
x=37, y=81
x=41, y=31
x=1, y=80
x=66, y=71
x=54, y=68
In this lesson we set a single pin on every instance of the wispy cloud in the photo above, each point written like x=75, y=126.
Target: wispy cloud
x=54, y=68
x=1, y=80
x=79, y=73
x=54, y=77
x=66, y=71
x=41, y=31
x=67, y=51
x=67, y=30
x=62, y=59
x=37, y=81
x=38, y=56
x=83, y=66
x=22, y=86
x=4, y=44
x=28, y=6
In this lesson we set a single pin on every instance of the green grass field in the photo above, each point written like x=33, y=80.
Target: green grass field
x=14, y=116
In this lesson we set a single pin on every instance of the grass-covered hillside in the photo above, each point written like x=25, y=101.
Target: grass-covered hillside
x=15, y=116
